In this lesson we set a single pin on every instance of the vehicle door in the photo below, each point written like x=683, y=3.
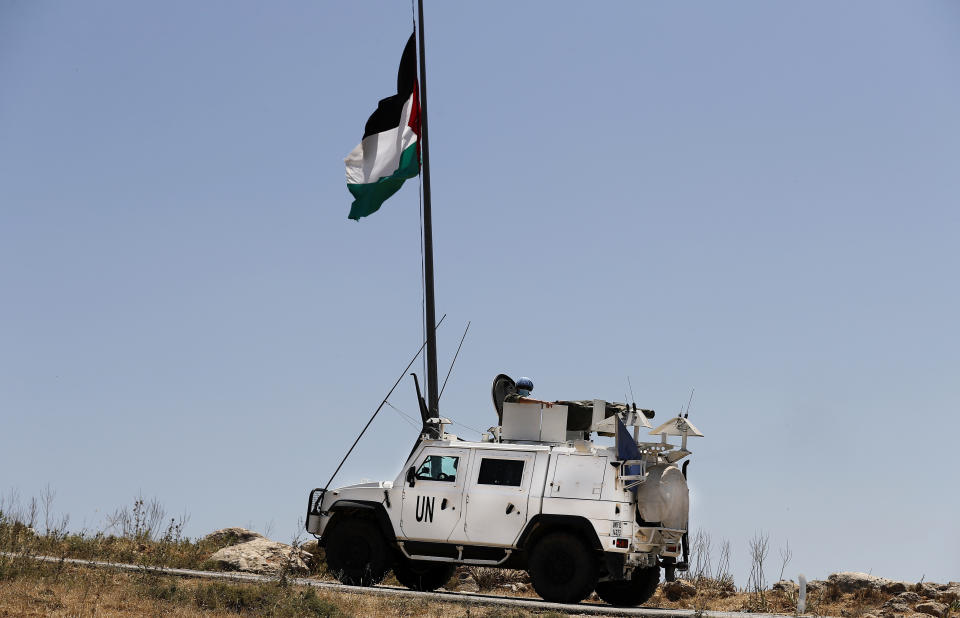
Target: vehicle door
x=433, y=505
x=496, y=509
x=578, y=476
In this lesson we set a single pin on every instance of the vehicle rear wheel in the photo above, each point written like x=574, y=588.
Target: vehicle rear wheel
x=422, y=574
x=356, y=553
x=562, y=568
x=629, y=592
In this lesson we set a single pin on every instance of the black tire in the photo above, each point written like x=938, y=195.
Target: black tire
x=634, y=591
x=563, y=568
x=422, y=574
x=356, y=553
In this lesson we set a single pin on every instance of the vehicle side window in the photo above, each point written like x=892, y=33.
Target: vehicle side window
x=438, y=468
x=508, y=472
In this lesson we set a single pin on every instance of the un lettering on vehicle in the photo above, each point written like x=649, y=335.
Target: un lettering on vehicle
x=424, y=510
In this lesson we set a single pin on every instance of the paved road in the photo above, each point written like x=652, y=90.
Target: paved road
x=465, y=598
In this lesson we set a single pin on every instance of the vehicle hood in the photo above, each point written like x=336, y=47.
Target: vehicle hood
x=360, y=491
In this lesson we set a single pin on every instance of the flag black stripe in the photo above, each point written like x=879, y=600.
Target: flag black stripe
x=387, y=115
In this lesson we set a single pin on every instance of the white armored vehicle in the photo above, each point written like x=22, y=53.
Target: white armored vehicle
x=535, y=493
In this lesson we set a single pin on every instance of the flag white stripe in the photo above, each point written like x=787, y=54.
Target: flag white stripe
x=378, y=155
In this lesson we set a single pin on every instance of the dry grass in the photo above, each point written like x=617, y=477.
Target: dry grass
x=137, y=535
x=143, y=535
x=713, y=595
x=92, y=592
x=61, y=590
x=495, y=579
x=54, y=590
x=71, y=591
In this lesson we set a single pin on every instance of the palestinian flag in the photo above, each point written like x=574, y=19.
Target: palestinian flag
x=390, y=150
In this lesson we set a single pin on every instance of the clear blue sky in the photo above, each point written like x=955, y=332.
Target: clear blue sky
x=759, y=200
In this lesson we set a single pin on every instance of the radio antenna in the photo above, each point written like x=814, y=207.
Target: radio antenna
x=688, y=403
x=380, y=407
x=454, y=360
x=633, y=399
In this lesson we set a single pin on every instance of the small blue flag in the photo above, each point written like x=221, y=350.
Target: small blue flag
x=626, y=450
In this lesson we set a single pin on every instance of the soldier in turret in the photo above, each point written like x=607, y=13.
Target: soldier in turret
x=521, y=395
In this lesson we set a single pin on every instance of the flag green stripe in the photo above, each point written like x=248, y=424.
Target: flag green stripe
x=369, y=197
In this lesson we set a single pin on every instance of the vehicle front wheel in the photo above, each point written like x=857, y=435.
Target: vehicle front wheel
x=629, y=592
x=563, y=569
x=422, y=574
x=356, y=553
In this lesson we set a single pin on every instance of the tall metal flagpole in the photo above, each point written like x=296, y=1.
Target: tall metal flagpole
x=432, y=380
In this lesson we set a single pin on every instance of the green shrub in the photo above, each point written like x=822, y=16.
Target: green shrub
x=163, y=589
x=231, y=597
x=309, y=604
x=263, y=599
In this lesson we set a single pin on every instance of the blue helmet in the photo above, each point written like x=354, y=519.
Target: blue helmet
x=524, y=386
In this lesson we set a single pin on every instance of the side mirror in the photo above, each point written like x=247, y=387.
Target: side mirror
x=411, y=476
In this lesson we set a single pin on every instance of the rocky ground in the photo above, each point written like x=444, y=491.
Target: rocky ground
x=31, y=587
x=251, y=552
x=845, y=593
x=898, y=598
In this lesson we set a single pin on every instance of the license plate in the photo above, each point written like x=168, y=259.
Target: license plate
x=617, y=529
